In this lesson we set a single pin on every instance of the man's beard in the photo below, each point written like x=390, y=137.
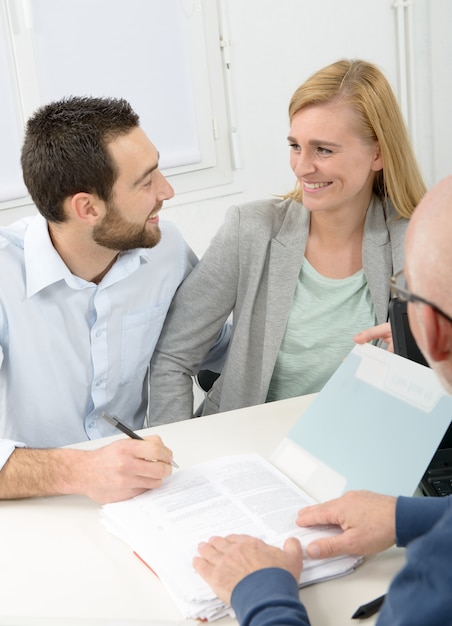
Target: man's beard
x=116, y=233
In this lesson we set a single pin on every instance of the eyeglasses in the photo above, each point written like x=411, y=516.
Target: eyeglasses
x=399, y=289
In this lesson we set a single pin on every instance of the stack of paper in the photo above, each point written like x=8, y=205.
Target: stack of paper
x=241, y=494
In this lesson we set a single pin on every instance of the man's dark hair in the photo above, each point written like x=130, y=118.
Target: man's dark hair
x=65, y=150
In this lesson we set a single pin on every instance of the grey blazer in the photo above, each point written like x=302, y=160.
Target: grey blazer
x=251, y=269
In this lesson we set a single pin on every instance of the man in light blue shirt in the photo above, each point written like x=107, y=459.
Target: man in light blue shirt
x=84, y=289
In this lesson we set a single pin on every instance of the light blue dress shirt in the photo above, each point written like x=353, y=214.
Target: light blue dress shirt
x=69, y=348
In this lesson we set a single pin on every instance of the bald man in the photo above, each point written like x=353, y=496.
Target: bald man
x=261, y=581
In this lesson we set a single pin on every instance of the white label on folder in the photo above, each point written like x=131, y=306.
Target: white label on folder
x=315, y=477
x=413, y=383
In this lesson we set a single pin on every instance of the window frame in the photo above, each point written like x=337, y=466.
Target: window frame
x=214, y=175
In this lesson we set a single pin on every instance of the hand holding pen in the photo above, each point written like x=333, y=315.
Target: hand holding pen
x=116, y=422
x=118, y=470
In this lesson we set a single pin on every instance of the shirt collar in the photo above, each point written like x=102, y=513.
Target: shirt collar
x=44, y=266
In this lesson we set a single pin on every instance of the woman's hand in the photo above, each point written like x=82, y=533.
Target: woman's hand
x=382, y=331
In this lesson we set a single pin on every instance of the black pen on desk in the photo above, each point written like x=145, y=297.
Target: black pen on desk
x=366, y=610
x=116, y=422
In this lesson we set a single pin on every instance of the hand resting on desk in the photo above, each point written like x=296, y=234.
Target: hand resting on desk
x=225, y=561
x=367, y=519
x=117, y=471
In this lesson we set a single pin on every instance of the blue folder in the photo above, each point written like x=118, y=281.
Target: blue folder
x=375, y=425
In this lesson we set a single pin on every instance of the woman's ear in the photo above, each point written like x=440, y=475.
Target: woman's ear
x=377, y=164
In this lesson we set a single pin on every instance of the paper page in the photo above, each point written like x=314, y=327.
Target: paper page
x=237, y=494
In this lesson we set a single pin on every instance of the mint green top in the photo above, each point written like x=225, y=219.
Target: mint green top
x=326, y=313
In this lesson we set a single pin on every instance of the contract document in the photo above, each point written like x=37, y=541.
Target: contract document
x=237, y=494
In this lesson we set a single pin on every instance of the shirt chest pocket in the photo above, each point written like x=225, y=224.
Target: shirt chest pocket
x=139, y=335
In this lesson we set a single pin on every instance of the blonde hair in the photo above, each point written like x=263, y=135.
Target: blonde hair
x=366, y=90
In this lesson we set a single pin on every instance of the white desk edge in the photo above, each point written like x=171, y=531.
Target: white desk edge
x=60, y=566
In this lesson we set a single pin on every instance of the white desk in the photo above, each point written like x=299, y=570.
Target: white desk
x=59, y=565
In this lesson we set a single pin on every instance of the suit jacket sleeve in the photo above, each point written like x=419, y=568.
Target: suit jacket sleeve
x=420, y=593
x=268, y=597
x=416, y=516
x=197, y=314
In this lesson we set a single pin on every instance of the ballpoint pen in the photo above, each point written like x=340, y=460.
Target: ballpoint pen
x=116, y=422
x=366, y=610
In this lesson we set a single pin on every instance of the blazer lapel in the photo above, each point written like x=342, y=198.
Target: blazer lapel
x=377, y=258
x=285, y=259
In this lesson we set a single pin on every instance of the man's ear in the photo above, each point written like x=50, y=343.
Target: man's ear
x=437, y=333
x=87, y=207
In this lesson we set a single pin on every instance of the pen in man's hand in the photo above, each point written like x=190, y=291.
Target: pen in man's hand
x=366, y=610
x=116, y=422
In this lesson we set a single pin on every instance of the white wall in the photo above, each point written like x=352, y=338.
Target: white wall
x=275, y=46
x=440, y=65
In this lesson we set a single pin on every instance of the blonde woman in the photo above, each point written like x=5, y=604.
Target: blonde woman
x=303, y=274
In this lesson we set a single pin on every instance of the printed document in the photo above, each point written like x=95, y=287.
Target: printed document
x=238, y=494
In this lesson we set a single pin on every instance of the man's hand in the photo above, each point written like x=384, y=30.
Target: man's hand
x=367, y=519
x=382, y=331
x=118, y=471
x=225, y=561
x=123, y=469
